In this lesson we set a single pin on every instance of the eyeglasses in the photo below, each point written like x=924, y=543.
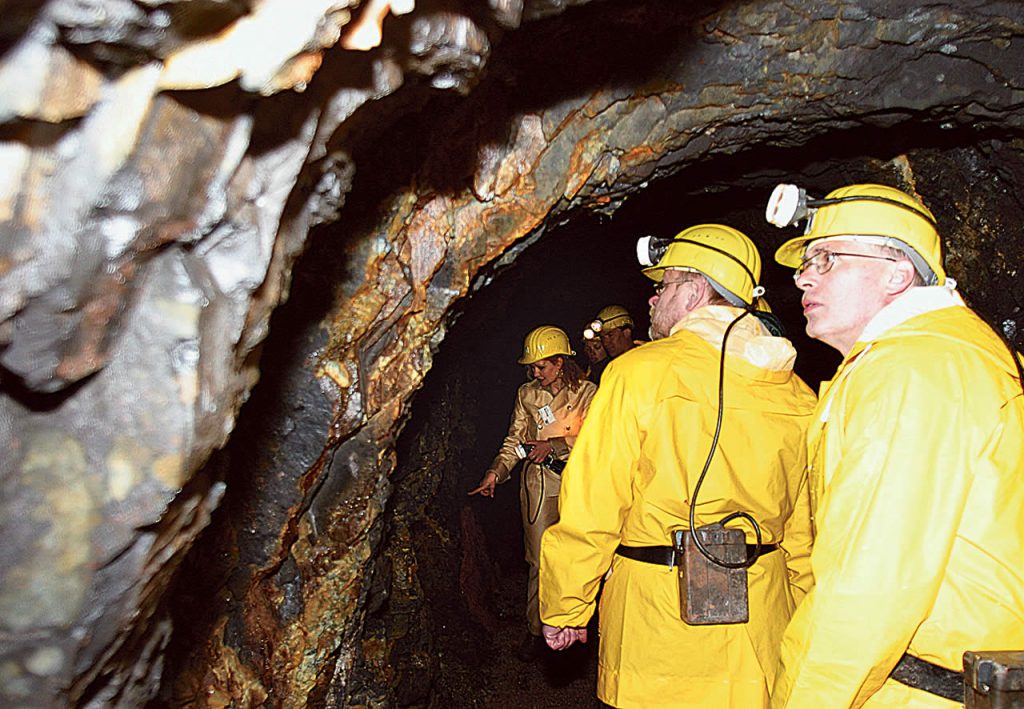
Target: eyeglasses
x=660, y=288
x=823, y=261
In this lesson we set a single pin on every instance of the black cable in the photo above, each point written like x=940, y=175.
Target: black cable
x=526, y=486
x=819, y=203
x=751, y=558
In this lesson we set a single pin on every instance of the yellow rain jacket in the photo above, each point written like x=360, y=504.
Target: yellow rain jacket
x=917, y=479
x=630, y=479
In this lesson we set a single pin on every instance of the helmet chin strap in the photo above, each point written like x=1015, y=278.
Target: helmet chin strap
x=725, y=293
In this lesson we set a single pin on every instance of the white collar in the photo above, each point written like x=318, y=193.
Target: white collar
x=916, y=301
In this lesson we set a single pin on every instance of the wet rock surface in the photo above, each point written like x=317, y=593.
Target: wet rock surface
x=164, y=167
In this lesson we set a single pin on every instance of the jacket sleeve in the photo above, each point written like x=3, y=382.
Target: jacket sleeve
x=796, y=541
x=506, y=458
x=886, y=524
x=595, y=495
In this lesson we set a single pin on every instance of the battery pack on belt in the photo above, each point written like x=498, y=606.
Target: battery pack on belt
x=921, y=674
x=666, y=556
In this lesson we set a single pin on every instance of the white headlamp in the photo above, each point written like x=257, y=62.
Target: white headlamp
x=650, y=249
x=787, y=206
x=589, y=333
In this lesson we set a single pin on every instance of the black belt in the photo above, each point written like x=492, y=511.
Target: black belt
x=666, y=556
x=921, y=674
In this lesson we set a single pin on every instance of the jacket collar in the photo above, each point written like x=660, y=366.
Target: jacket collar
x=916, y=301
x=547, y=390
x=749, y=340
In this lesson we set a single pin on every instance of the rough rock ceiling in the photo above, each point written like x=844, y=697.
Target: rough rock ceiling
x=163, y=166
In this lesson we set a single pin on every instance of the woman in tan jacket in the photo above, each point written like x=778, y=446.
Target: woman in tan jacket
x=546, y=419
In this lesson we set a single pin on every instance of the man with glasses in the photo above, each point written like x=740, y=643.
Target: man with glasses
x=631, y=481
x=916, y=459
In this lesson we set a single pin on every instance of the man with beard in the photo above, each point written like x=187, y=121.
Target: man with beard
x=654, y=434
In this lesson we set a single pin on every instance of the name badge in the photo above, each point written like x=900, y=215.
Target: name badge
x=546, y=415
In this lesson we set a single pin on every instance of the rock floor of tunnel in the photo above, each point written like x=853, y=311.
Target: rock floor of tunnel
x=497, y=679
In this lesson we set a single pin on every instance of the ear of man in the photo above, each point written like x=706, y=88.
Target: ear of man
x=901, y=278
x=700, y=294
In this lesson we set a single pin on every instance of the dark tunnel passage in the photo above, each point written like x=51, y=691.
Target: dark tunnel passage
x=469, y=550
x=261, y=309
x=442, y=607
x=445, y=595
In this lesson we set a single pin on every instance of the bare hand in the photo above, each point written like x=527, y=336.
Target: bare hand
x=561, y=638
x=541, y=450
x=486, y=487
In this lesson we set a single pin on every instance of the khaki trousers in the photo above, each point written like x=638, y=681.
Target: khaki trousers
x=540, y=510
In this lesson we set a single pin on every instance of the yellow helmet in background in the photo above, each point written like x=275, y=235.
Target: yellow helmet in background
x=725, y=255
x=874, y=211
x=608, y=318
x=544, y=342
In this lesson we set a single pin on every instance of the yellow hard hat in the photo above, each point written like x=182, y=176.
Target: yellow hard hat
x=867, y=210
x=725, y=255
x=543, y=342
x=608, y=318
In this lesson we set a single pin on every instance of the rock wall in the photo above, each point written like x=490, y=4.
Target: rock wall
x=164, y=165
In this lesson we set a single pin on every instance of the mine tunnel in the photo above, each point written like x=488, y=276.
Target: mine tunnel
x=445, y=603
x=261, y=309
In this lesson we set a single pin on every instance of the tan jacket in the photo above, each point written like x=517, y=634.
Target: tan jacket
x=568, y=408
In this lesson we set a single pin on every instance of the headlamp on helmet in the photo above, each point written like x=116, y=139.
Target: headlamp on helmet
x=650, y=249
x=866, y=212
x=788, y=205
x=723, y=255
x=608, y=318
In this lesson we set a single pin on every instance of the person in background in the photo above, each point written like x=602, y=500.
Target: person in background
x=632, y=478
x=546, y=418
x=916, y=453
x=596, y=356
x=614, y=327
